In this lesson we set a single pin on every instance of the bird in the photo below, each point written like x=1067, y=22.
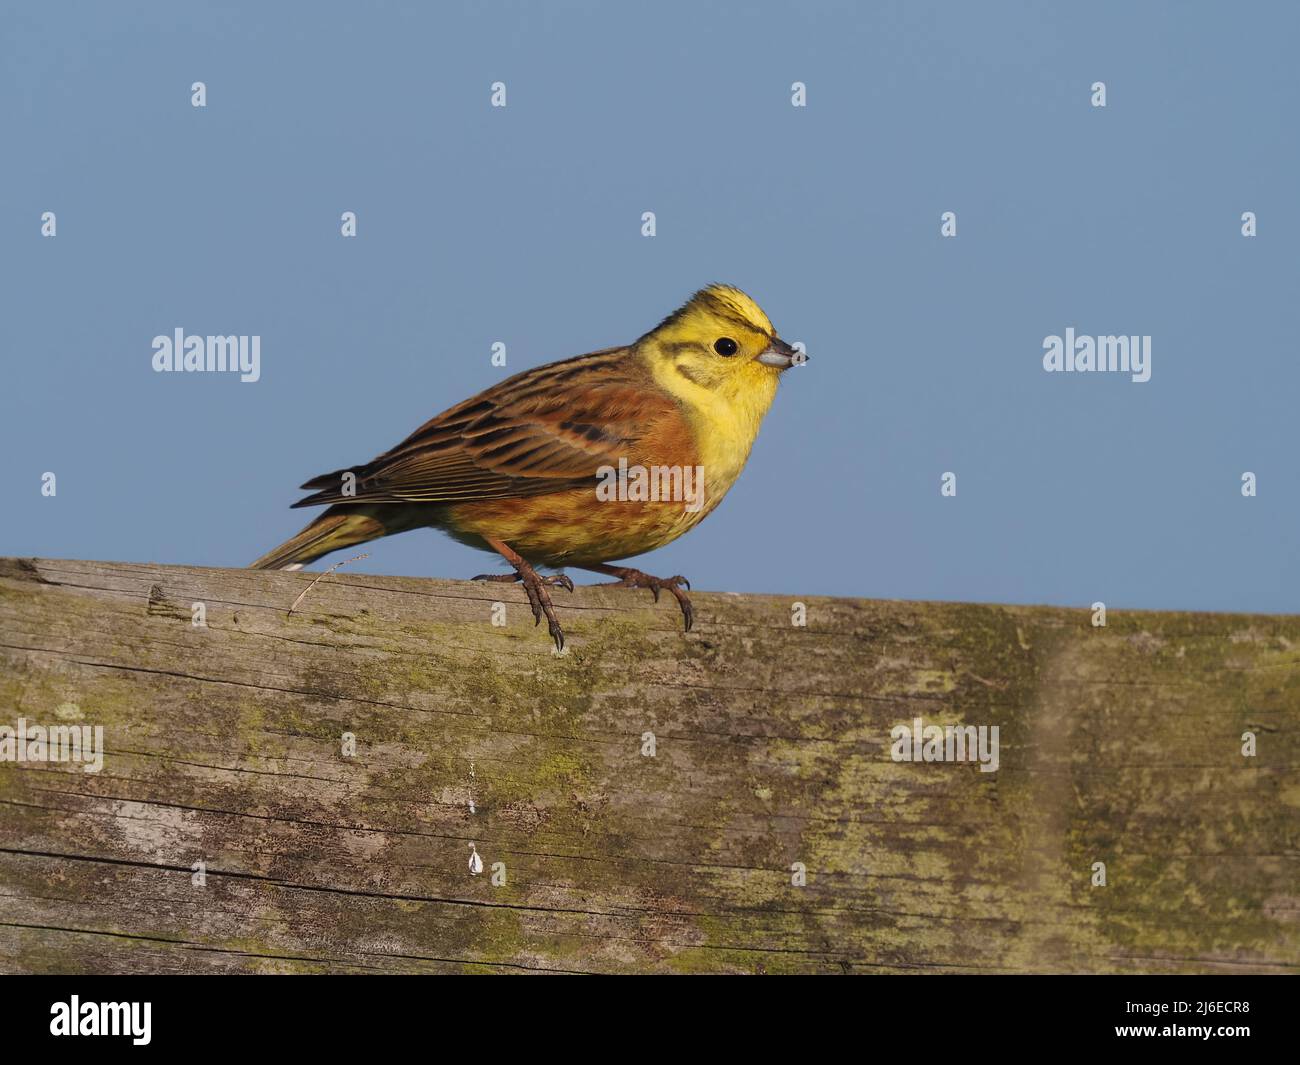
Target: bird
x=564, y=465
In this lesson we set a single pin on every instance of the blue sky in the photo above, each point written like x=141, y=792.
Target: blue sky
x=522, y=225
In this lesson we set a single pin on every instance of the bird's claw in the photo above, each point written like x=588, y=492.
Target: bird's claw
x=634, y=578
x=559, y=580
x=539, y=600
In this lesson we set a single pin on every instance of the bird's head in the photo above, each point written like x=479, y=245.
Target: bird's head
x=719, y=339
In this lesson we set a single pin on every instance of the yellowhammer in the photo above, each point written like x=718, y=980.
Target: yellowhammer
x=599, y=457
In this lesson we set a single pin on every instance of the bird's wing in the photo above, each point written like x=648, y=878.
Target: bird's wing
x=541, y=431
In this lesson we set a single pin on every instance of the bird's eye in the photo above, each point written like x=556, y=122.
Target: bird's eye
x=725, y=346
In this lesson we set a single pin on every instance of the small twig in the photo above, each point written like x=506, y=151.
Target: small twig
x=354, y=558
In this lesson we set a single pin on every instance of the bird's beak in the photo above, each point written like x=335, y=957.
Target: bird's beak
x=782, y=355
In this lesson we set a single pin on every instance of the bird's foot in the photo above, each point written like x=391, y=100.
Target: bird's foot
x=634, y=578
x=559, y=580
x=539, y=598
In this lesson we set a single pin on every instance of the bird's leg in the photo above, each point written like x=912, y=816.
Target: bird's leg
x=634, y=578
x=534, y=586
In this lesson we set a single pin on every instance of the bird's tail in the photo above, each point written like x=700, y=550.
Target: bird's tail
x=335, y=529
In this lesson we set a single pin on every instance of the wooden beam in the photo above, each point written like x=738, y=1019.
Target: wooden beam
x=224, y=745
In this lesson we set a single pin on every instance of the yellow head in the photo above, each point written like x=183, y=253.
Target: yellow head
x=720, y=358
x=721, y=340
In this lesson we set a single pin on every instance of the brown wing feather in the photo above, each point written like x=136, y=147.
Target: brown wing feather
x=543, y=430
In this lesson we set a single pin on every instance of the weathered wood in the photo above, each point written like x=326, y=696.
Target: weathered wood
x=1119, y=745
